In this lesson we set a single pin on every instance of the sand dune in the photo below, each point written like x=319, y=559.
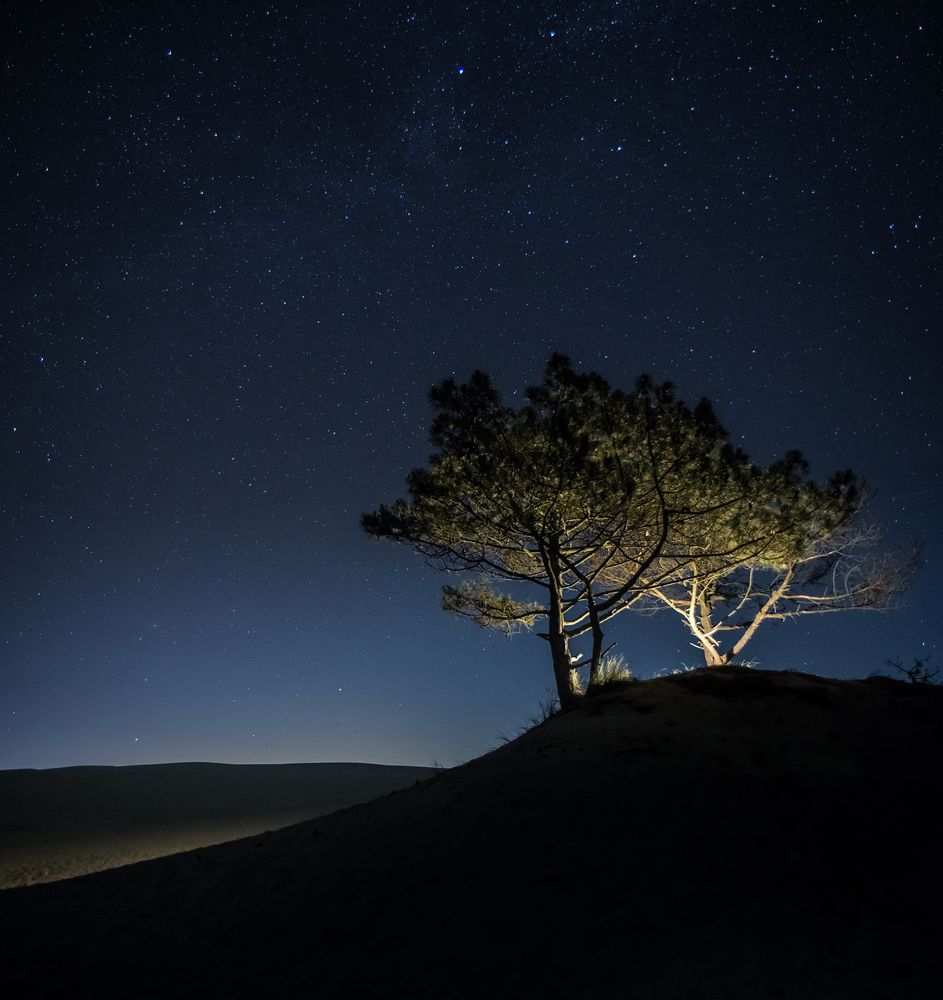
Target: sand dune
x=725, y=834
x=70, y=821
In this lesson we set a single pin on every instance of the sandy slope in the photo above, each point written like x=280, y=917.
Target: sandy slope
x=70, y=821
x=722, y=835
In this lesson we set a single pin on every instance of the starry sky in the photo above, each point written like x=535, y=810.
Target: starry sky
x=240, y=242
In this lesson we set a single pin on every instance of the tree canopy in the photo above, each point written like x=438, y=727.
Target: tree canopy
x=820, y=556
x=587, y=501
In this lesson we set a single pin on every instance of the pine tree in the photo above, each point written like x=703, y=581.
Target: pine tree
x=597, y=501
x=580, y=494
x=809, y=550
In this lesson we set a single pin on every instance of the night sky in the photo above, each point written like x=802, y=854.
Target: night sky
x=240, y=245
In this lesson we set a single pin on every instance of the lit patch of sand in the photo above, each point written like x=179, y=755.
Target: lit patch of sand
x=64, y=822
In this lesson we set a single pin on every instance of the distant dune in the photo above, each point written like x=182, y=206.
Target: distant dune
x=70, y=821
x=718, y=834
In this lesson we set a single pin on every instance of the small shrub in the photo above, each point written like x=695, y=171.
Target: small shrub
x=547, y=709
x=919, y=673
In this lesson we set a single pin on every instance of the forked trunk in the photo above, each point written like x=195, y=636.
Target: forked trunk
x=714, y=658
x=569, y=689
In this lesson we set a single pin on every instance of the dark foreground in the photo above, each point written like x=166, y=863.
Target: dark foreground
x=732, y=834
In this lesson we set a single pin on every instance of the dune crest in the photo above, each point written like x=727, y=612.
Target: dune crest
x=722, y=834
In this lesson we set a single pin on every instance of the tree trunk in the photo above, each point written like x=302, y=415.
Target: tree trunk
x=713, y=657
x=569, y=690
x=749, y=633
x=597, y=643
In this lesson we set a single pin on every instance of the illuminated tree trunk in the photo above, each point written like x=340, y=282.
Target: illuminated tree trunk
x=701, y=624
x=569, y=690
x=713, y=657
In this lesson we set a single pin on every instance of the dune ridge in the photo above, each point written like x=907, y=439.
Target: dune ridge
x=721, y=834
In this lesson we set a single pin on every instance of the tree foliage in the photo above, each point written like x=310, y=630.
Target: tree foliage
x=811, y=552
x=574, y=494
x=587, y=501
x=837, y=572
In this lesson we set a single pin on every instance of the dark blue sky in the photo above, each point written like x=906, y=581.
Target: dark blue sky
x=240, y=245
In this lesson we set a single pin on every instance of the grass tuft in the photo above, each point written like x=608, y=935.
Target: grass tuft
x=613, y=673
